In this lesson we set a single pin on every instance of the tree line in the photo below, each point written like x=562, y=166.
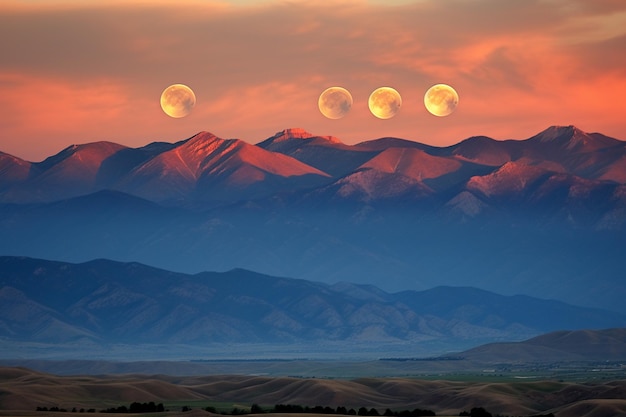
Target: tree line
x=151, y=407
x=135, y=407
x=318, y=409
x=481, y=412
x=65, y=410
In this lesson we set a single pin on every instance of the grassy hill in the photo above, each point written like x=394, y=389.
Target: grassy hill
x=24, y=389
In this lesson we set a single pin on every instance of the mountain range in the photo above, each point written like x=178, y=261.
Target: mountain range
x=209, y=170
x=103, y=303
x=543, y=216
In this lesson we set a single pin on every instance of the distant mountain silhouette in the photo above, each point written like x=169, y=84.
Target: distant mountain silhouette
x=544, y=216
x=105, y=302
x=559, y=346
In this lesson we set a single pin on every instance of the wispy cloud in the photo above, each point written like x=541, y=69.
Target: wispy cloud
x=74, y=73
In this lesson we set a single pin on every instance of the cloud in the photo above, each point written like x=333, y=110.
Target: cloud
x=516, y=64
x=42, y=108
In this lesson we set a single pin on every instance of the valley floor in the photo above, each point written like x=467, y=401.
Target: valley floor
x=23, y=390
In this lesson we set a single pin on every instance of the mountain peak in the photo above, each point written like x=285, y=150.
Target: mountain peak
x=102, y=146
x=294, y=133
x=556, y=133
x=298, y=133
x=572, y=138
x=203, y=137
x=558, y=130
x=13, y=169
x=88, y=154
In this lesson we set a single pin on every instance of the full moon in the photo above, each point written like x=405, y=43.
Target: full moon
x=441, y=100
x=177, y=100
x=335, y=102
x=384, y=102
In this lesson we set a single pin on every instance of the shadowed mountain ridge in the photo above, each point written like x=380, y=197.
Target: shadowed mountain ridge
x=106, y=302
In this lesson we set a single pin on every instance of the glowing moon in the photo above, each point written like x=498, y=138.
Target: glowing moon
x=441, y=100
x=335, y=102
x=384, y=102
x=177, y=100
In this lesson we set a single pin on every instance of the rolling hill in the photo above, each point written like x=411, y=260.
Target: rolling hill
x=560, y=346
x=24, y=389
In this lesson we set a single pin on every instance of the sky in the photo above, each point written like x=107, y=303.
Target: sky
x=74, y=72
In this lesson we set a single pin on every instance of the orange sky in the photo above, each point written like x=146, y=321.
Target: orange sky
x=76, y=71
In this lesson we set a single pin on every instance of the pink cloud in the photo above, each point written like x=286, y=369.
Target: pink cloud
x=38, y=108
x=82, y=73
